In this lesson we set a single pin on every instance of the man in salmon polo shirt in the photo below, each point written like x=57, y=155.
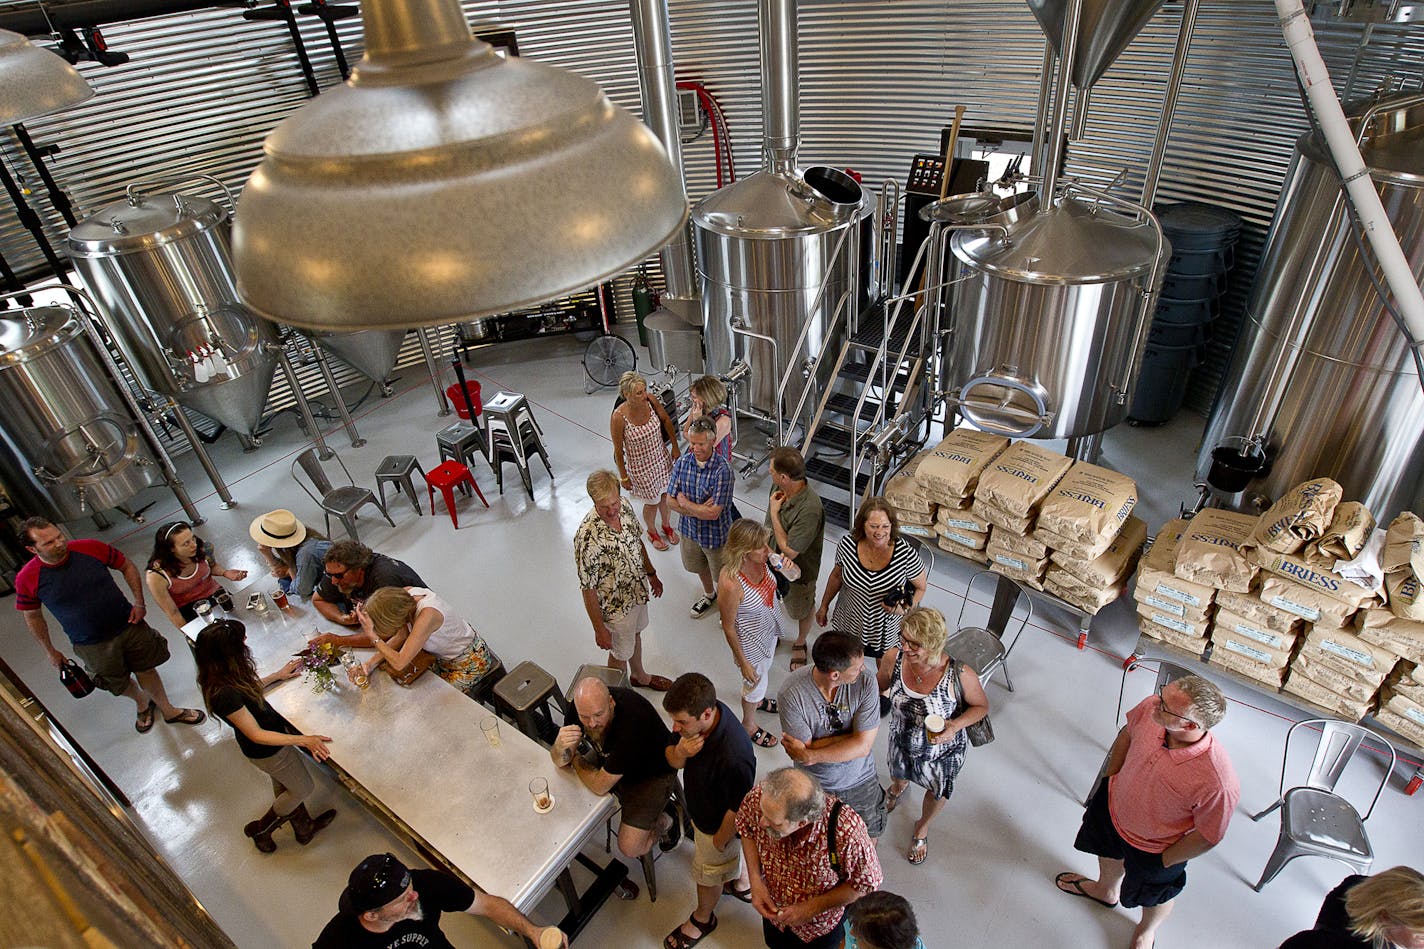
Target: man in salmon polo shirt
x=1168, y=796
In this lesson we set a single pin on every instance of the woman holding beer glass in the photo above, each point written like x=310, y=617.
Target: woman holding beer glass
x=933, y=699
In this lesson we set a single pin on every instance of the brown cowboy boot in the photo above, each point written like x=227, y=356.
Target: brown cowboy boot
x=305, y=826
x=260, y=830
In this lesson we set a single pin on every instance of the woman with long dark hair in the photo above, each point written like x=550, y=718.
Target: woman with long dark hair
x=233, y=691
x=182, y=572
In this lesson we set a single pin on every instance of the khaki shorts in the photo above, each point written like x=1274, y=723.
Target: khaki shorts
x=713, y=867
x=110, y=663
x=696, y=558
x=643, y=801
x=625, y=628
x=800, y=600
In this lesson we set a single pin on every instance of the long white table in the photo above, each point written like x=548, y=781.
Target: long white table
x=416, y=756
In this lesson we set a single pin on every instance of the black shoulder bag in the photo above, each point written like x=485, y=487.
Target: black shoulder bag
x=981, y=732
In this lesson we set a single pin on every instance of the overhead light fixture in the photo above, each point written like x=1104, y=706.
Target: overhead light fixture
x=35, y=81
x=444, y=183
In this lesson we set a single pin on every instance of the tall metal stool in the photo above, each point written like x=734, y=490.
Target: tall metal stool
x=514, y=434
x=462, y=442
x=504, y=452
x=531, y=697
x=398, y=470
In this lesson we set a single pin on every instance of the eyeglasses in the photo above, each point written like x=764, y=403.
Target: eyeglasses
x=337, y=575
x=1162, y=707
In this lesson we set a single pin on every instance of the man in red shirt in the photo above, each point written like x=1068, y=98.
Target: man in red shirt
x=799, y=891
x=1168, y=796
x=73, y=580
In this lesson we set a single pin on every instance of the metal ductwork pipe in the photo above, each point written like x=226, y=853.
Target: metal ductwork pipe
x=657, y=80
x=31, y=20
x=781, y=88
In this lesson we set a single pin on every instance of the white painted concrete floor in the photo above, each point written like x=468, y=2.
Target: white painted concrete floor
x=993, y=851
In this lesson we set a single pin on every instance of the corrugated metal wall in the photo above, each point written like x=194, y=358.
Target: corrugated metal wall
x=878, y=79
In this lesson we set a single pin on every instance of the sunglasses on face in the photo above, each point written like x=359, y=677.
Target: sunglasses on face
x=337, y=575
x=833, y=712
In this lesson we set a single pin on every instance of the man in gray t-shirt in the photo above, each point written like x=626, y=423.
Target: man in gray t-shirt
x=830, y=712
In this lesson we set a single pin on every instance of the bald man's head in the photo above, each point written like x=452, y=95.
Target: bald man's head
x=594, y=704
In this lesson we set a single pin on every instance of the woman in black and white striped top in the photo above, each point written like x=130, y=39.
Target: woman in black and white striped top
x=871, y=561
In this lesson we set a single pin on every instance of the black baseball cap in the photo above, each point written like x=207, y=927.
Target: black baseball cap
x=376, y=881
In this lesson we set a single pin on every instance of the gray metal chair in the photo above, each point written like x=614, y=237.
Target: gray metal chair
x=1315, y=821
x=982, y=648
x=341, y=500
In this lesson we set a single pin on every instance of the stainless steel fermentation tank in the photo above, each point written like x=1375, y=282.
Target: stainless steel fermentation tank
x=779, y=250
x=68, y=444
x=159, y=265
x=1322, y=379
x=1048, y=319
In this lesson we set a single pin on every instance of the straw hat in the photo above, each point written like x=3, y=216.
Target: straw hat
x=278, y=528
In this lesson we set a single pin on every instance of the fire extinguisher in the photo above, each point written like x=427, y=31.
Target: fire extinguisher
x=644, y=302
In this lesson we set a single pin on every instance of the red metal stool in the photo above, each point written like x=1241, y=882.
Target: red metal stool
x=447, y=476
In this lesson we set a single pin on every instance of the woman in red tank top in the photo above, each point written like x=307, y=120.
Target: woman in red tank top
x=182, y=572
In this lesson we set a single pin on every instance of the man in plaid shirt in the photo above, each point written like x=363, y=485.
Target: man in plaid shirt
x=700, y=491
x=800, y=895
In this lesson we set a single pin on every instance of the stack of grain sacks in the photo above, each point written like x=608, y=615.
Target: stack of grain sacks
x=914, y=509
x=1401, y=628
x=1293, y=596
x=1032, y=514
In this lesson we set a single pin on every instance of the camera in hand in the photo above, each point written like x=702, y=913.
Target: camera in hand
x=901, y=597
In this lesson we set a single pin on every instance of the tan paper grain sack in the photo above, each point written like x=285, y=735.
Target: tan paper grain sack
x=1192, y=644
x=1161, y=552
x=1102, y=595
x=1017, y=544
x=1018, y=480
x=1405, y=707
x=1347, y=647
x=1089, y=504
x=1383, y=628
x=1350, y=526
x=924, y=532
x=1269, y=676
x=1254, y=608
x=1176, y=624
x=903, y=490
x=1248, y=649
x=1406, y=682
x=1209, y=552
x=1314, y=655
x=1113, y=565
x=1242, y=627
x=1341, y=683
x=1306, y=602
x=1403, y=563
x=955, y=464
x=959, y=550
x=1314, y=692
x=1025, y=577
x=998, y=517
x=1317, y=577
x=1011, y=560
x=1170, y=607
x=962, y=519
x=1168, y=586
x=1401, y=725
x=1298, y=518
x=918, y=518
x=1091, y=605
x=1070, y=547
x=953, y=506
x=973, y=540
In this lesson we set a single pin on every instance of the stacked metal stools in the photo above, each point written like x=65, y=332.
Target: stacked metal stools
x=513, y=437
x=1203, y=241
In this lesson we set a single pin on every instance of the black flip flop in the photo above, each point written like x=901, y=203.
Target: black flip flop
x=728, y=889
x=767, y=705
x=1075, y=888
x=143, y=724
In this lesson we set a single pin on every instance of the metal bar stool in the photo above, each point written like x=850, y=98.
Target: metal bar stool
x=508, y=416
x=447, y=476
x=398, y=470
x=531, y=698
x=503, y=451
x=462, y=442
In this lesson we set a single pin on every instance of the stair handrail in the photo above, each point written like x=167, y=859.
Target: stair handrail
x=792, y=367
x=840, y=311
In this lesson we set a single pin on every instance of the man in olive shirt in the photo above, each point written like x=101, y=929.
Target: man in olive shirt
x=798, y=527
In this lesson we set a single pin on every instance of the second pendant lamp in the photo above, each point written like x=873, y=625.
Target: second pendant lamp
x=443, y=183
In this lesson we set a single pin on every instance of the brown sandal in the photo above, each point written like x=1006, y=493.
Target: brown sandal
x=798, y=656
x=677, y=939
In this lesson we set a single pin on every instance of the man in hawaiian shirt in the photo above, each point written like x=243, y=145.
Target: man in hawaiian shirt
x=614, y=574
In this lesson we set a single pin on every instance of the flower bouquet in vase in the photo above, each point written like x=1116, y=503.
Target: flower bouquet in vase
x=316, y=664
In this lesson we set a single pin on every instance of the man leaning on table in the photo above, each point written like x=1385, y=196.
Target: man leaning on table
x=350, y=574
x=615, y=743
x=386, y=906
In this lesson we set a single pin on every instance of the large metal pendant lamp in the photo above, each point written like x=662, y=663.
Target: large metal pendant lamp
x=443, y=182
x=35, y=81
